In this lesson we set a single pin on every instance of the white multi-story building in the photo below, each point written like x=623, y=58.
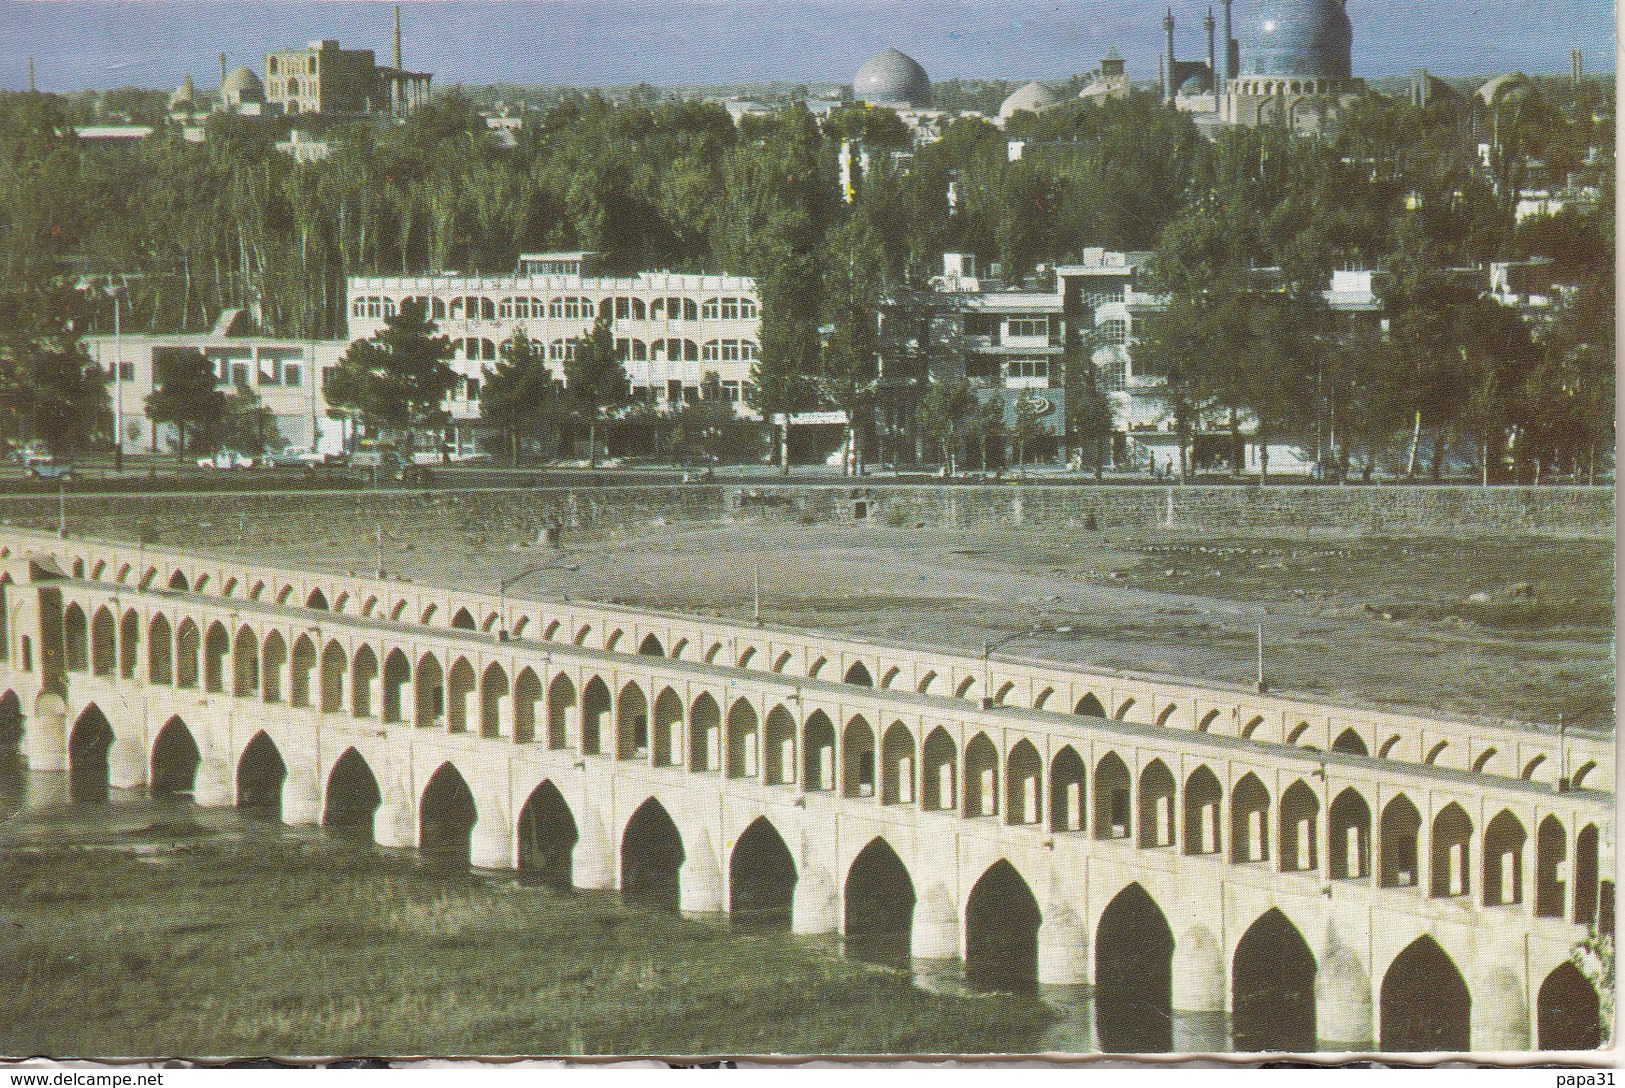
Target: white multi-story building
x=672, y=330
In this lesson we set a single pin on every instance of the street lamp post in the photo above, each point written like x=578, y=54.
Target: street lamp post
x=989, y=645
x=114, y=291
x=502, y=592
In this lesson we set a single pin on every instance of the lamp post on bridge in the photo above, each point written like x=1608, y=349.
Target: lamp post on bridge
x=989, y=645
x=502, y=592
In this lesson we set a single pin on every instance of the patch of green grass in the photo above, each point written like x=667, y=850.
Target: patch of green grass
x=345, y=951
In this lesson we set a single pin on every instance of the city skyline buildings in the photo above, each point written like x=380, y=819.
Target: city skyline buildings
x=102, y=44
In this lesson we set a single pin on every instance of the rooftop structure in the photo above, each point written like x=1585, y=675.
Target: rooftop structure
x=893, y=79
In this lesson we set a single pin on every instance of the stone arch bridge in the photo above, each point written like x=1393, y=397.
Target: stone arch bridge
x=1207, y=859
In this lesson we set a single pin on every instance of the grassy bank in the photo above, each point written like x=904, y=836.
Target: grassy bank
x=273, y=947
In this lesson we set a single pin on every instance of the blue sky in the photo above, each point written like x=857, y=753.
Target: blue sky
x=110, y=43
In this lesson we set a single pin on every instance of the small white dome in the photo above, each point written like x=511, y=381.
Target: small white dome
x=1034, y=97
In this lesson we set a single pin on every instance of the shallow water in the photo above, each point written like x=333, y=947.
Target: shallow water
x=37, y=812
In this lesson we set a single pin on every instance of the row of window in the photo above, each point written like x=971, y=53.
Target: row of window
x=676, y=392
x=272, y=64
x=994, y=367
x=235, y=372
x=565, y=307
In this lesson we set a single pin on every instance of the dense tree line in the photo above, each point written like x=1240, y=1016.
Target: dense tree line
x=651, y=184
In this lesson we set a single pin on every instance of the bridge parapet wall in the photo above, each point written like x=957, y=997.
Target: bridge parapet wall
x=1533, y=753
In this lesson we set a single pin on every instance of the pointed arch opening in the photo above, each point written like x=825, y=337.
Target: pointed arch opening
x=1249, y=821
x=316, y=600
x=780, y=747
x=188, y=646
x=352, y=797
x=704, y=733
x=939, y=771
x=1090, y=706
x=216, y=645
x=129, y=646
x=668, y=729
x=981, y=791
x=858, y=674
x=632, y=723
x=460, y=687
x=175, y=759
x=650, y=647
x=1114, y=793
x=364, y=679
x=260, y=774
x=761, y=879
x=1068, y=790
x=818, y=752
x=858, y=759
x=1023, y=784
x=397, y=675
x=561, y=701
x=89, y=742
x=898, y=763
x=429, y=693
x=595, y=707
x=300, y=671
x=1157, y=791
x=245, y=664
x=1551, y=851
x=1567, y=1011
x=334, y=667
x=1272, y=988
x=879, y=906
x=75, y=639
x=1349, y=742
x=651, y=858
x=496, y=702
x=547, y=837
x=1134, y=956
x=446, y=818
x=103, y=643
x=744, y=741
x=1001, y=931
x=463, y=620
x=1587, y=889
x=527, y=693
x=1450, y=847
x=1425, y=1003
x=1400, y=829
x=1350, y=838
x=1299, y=829
x=1203, y=799
x=1504, y=841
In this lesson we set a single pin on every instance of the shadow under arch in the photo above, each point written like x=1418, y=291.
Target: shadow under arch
x=352, y=797
x=879, y=906
x=260, y=774
x=88, y=745
x=1001, y=932
x=761, y=879
x=547, y=837
x=1272, y=988
x=1425, y=1002
x=1134, y=953
x=651, y=858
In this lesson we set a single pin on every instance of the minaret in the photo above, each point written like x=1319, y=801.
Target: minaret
x=1212, y=56
x=30, y=75
x=1168, y=82
x=397, y=54
x=1232, y=52
x=222, y=71
x=1576, y=68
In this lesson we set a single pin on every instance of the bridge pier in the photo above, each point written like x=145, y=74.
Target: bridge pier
x=127, y=763
x=395, y=824
x=1500, y=1019
x=215, y=785
x=1063, y=947
x=492, y=844
x=1343, y=1002
x=1198, y=997
x=301, y=799
x=592, y=862
x=699, y=881
x=814, y=907
x=45, y=735
x=935, y=932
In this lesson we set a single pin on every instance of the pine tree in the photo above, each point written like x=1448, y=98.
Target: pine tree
x=187, y=395
x=398, y=379
x=519, y=397
x=595, y=381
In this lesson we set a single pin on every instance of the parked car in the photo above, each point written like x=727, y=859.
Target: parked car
x=49, y=468
x=301, y=457
x=226, y=459
x=24, y=455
